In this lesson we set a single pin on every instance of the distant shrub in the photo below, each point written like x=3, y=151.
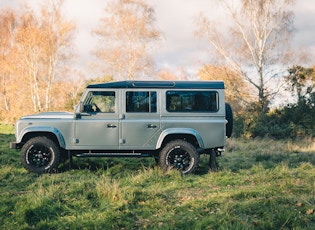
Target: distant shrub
x=291, y=121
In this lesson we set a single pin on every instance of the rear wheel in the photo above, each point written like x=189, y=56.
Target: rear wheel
x=40, y=155
x=181, y=155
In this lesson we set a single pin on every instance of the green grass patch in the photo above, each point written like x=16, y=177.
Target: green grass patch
x=260, y=184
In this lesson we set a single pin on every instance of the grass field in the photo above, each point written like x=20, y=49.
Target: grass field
x=260, y=184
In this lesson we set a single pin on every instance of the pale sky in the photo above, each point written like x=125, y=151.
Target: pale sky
x=175, y=19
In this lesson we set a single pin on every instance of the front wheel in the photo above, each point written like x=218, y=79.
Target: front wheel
x=40, y=155
x=181, y=155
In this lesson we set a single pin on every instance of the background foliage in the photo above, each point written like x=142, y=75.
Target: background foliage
x=36, y=53
x=292, y=121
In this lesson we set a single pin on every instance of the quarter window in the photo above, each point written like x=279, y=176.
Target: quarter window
x=140, y=102
x=192, y=101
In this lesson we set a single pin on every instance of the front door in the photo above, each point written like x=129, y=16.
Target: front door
x=98, y=125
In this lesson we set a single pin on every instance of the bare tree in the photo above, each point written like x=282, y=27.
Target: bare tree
x=59, y=34
x=29, y=40
x=7, y=28
x=125, y=37
x=35, y=47
x=255, y=44
x=43, y=43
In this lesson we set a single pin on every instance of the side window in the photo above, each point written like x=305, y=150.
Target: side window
x=140, y=102
x=192, y=101
x=100, y=102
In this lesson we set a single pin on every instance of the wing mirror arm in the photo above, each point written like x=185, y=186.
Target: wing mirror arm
x=81, y=107
x=79, y=111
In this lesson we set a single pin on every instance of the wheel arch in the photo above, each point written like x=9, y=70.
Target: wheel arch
x=190, y=135
x=50, y=132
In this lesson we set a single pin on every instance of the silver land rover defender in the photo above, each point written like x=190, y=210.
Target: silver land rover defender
x=172, y=121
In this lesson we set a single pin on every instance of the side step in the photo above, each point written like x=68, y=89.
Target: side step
x=91, y=154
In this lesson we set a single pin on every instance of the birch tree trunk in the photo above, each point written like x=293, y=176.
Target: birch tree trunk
x=256, y=40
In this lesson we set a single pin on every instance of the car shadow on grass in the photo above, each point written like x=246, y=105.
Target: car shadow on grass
x=116, y=165
x=111, y=165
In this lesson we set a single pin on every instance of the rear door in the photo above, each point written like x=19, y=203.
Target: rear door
x=141, y=124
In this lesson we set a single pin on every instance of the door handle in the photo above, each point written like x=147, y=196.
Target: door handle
x=111, y=126
x=150, y=126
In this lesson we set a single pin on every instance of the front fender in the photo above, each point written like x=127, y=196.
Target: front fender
x=43, y=129
x=179, y=131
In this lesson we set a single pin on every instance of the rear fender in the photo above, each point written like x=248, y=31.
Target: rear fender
x=179, y=131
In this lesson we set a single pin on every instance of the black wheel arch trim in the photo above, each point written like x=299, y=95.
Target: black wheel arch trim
x=35, y=131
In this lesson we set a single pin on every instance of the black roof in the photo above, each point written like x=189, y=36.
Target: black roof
x=161, y=84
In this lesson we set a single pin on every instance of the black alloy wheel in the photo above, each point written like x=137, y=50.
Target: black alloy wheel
x=40, y=155
x=180, y=155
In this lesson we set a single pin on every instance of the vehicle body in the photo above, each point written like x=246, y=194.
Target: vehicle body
x=173, y=121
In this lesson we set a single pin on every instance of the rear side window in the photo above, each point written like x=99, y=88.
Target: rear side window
x=140, y=102
x=192, y=101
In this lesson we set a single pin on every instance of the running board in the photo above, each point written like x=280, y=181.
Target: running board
x=109, y=154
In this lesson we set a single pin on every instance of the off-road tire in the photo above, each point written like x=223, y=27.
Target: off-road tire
x=179, y=154
x=40, y=155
